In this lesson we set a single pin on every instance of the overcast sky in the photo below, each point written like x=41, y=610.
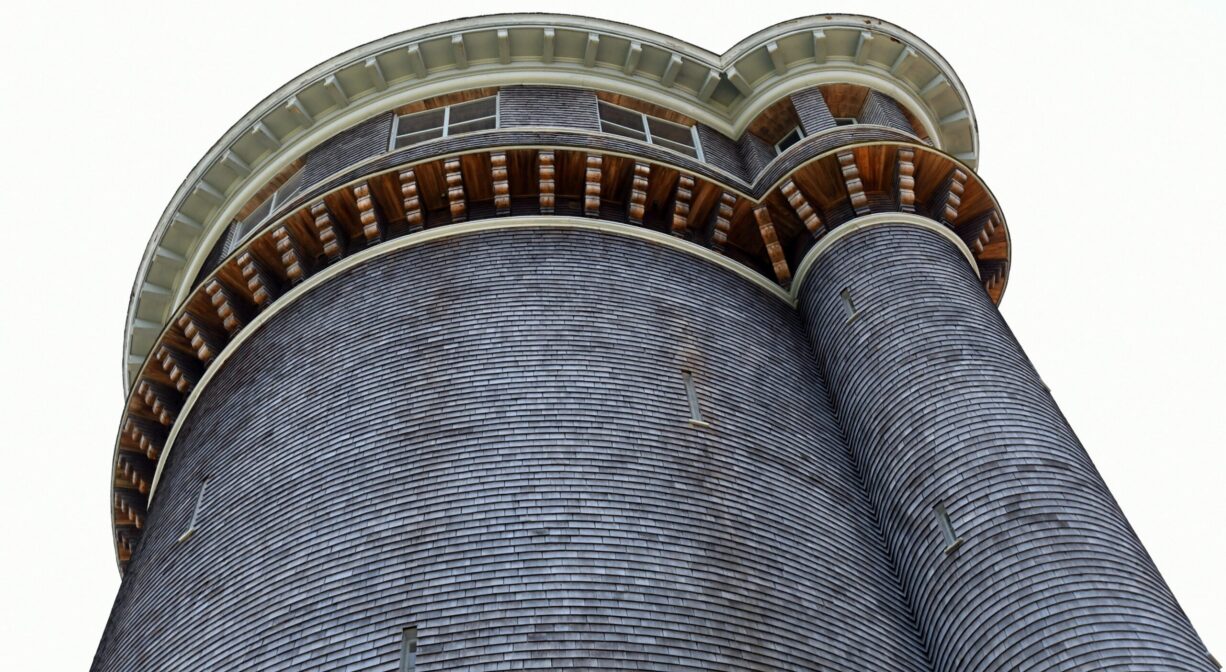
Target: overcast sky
x=1101, y=136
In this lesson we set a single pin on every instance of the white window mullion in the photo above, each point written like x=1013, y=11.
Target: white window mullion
x=646, y=128
x=395, y=130
x=446, y=119
x=697, y=144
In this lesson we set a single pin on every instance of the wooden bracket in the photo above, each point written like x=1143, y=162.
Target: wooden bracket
x=227, y=307
x=292, y=259
x=182, y=369
x=455, y=190
x=855, y=187
x=951, y=197
x=204, y=341
x=163, y=401
x=681, y=205
x=591, y=187
x=987, y=231
x=767, y=228
x=135, y=470
x=638, y=192
x=502, y=186
x=368, y=214
x=804, y=210
x=905, y=179
x=260, y=282
x=723, y=220
x=330, y=235
x=147, y=435
x=411, y=200
x=547, y=184
x=132, y=506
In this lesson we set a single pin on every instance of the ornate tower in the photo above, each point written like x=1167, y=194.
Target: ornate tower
x=535, y=341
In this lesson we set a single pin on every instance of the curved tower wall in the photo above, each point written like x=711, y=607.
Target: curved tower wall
x=942, y=407
x=487, y=437
x=382, y=378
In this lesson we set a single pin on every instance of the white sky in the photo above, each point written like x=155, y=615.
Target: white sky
x=1101, y=135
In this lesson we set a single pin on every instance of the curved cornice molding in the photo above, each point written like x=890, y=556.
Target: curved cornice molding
x=725, y=92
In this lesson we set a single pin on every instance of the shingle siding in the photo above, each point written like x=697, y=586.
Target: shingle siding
x=487, y=437
x=755, y=153
x=721, y=151
x=814, y=114
x=941, y=406
x=369, y=138
x=882, y=110
x=548, y=106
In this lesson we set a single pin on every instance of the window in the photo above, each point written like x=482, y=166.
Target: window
x=691, y=394
x=646, y=128
x=191, y=525
x=793, y=136
x=952, y=540
x=258, y=216
x=408, y=649
x=442, y=122
x=845, y=121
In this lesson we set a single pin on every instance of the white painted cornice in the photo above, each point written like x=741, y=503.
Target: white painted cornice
x=725, y=92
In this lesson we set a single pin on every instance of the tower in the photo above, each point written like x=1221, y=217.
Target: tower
x=528, y=341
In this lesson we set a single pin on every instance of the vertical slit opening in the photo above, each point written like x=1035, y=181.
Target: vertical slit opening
x=191, y=525
x=691, y=394
x=408, y=649
x=848, y=305
x=952, y=540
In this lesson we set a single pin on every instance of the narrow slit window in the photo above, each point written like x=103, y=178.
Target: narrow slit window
x=191, y=525
x=848, y=305
x=691, y=394
x=952, y=540
x=408, y=649
x=845, y=121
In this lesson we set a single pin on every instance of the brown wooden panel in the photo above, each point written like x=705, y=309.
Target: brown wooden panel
x=571, y=173
x=930, y=172
x=702, y=207
x=478, y=184
x=616, y=174
x=821, y=181
x=876, y=165
x=525, y=180
x=645, y=107
x=844, y=100
x=385, y=189
x=446, y=99
x=431, y=185
x=976, y=200
x=775, y=121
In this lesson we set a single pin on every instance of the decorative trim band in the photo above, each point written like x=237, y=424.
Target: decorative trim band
x=859, y=224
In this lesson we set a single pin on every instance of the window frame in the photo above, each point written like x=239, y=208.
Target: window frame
x=446, y=127
x=800, y=135
x=278, y=197
x=645, y=119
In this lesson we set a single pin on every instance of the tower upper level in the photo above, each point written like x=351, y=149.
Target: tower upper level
x=754, y=158
x=726, y=94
